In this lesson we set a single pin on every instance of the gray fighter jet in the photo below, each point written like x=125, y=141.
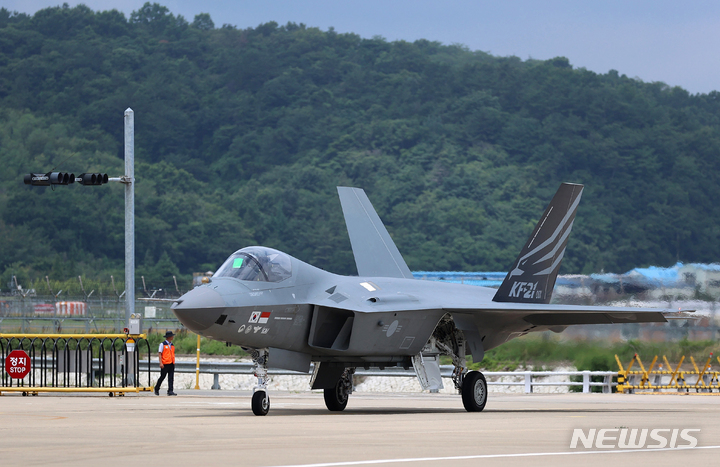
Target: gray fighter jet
x=289, y=314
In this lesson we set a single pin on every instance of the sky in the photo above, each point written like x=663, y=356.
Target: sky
x=675, y=42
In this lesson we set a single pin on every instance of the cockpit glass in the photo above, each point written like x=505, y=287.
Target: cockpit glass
x=257, y=264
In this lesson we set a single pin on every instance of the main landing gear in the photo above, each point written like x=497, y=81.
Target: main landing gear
x=260, y=399
x=471, y=385
x=474, y=391
x=336, y=398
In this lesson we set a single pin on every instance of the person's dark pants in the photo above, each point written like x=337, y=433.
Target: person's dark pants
x=169, y=371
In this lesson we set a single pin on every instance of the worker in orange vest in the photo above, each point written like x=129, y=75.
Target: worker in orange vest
x=166, y=353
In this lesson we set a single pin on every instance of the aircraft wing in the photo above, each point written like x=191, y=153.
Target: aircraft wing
x=565, y=315
x=375, y=253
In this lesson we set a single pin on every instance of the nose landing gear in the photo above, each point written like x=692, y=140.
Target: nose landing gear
x=260, y=400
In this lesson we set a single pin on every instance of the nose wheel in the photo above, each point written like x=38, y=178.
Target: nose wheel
x=260, y=400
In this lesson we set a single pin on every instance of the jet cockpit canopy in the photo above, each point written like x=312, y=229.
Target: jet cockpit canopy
x=256, y=263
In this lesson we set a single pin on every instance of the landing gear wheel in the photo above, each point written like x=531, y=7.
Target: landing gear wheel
x=260, y=403
x=474, y=391
x=260, y=400
x=336, y=398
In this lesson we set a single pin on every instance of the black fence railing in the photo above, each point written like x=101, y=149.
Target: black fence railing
x=78, y=363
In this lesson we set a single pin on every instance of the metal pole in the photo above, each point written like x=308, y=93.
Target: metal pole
x=129, y=215
x=197, y=365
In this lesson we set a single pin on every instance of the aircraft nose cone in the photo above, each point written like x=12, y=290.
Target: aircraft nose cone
x=201, y=297
x=199, y=308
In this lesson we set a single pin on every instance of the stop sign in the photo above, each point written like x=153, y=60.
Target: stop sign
x=17, y=364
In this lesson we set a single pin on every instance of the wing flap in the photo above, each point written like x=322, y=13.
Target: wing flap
x=567, y=315
x=569, y=319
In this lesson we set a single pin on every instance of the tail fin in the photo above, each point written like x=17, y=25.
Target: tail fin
x=375, y=253
x=532, y=277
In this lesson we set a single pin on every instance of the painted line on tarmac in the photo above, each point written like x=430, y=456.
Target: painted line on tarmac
x=493, y=456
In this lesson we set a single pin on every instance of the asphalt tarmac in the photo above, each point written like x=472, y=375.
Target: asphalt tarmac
x=206, y=428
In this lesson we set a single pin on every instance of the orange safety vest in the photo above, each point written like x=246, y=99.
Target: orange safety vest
x=168, y=354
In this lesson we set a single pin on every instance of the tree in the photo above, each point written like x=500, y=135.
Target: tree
x=203, y=22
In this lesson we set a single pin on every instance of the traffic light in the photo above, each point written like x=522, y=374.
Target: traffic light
x=61, y=178
x=92, y=179
x=50, y=178
x=37, y=180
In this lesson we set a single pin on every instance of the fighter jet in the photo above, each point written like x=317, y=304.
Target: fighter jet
x=288, y=314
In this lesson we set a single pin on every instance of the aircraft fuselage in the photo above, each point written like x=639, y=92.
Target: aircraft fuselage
x=325, y=315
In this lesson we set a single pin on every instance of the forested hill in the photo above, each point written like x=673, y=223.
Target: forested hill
x=242, y=136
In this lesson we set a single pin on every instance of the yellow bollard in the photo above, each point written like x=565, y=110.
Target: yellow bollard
x=644, y=379
x=632, y=362
x=667, y=364
x=622, y=376
x=650, y=369
x=652, y=365
x=627, y=372
x=197, y=365
x=675, y=373
x=702, y=373
x=617, y=359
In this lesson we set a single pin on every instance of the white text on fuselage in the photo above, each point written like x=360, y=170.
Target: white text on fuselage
x=525, y=290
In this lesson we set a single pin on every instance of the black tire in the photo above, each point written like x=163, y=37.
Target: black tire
x=474, y=391
x=336, y=398
x=260, y=403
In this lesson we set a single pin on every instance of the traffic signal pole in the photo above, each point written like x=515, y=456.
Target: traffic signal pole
x=129, y=181
x=90, y=179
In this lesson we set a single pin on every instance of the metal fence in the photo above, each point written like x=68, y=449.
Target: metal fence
x=668, y=377
x=77, y=363
x=527, y=379
x=59, y=324
x=36, y=315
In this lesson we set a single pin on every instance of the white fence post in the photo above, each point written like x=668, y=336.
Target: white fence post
x=607, y=384
x=586, y=382
x=528, y=382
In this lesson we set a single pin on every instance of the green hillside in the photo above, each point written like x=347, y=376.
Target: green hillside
x=242, y=136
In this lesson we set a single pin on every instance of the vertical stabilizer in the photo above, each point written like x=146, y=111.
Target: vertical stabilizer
x=375, y=253
x=532, y=277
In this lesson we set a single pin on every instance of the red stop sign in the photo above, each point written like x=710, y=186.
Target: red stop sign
x=17, y=364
